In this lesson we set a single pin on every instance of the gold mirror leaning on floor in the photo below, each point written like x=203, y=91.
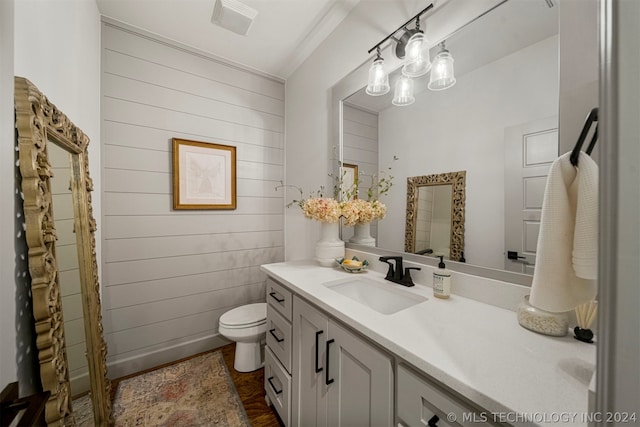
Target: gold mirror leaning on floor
x=435, y=215
x=43, y=129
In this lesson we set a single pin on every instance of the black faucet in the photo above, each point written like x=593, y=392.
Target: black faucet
x=397, y=275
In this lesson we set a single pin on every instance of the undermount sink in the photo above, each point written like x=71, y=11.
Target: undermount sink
x=375, y=295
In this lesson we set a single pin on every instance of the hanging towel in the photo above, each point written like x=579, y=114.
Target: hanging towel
x=566, y=260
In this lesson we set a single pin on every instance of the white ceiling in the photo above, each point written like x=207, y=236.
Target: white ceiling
x=281, y=37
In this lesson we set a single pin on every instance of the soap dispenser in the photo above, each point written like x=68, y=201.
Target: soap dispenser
x=441, y=281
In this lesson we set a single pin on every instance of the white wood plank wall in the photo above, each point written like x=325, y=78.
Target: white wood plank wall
x=360, y=147
x=169, y=275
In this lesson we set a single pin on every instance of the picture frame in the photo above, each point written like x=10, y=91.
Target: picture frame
x=204, y=175
x=349, y=176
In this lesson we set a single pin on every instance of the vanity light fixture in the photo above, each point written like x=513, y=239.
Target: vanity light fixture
x=416, y=60
x=442, y=73
x=403, y=94
x=414, y=48
x=378, y=83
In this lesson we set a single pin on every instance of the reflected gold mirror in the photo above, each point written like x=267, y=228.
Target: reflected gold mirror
x=435, y=215
x=59, y=230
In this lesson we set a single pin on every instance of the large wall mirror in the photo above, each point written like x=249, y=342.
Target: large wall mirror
x=59, y=230
x=506, y=94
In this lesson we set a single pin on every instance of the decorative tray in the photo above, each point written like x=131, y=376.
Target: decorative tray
x=353, y=265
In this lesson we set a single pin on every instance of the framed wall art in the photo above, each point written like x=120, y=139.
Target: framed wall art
x=349, y=176
x=204, y=175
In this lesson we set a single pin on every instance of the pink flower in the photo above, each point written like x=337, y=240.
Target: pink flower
x=359, y=211
x=322, y=209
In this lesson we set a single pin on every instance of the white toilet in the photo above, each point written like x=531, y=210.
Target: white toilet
x=246, y=325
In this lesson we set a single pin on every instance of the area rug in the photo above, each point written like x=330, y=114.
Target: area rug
x=195, y=392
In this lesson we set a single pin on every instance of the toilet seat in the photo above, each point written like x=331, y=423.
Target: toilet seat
x=245, y=316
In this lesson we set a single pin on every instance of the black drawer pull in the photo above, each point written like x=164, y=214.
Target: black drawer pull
x=328, y=380
x=275, y=390
x=273, y=295
x=318, y=368
x=272, y=332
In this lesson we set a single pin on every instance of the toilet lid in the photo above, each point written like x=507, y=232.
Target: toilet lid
x=245, y=316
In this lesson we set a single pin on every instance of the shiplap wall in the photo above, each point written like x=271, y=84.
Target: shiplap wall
x=169, y=275
x=360, y=147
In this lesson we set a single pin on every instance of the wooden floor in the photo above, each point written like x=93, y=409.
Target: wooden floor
x=250, y=387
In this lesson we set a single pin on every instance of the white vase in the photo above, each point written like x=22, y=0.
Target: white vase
x=362, y=235
x=329, y=247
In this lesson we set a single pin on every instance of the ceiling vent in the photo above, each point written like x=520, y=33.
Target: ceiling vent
x=233, y=15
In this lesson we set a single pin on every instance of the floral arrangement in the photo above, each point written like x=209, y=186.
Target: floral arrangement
x=352, y=209
x=359, y=211
x=322, y=209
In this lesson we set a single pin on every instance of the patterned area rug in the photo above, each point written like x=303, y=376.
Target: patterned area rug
x=196, y=392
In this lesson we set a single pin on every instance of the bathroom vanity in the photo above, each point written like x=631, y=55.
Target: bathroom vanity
x=353, y=349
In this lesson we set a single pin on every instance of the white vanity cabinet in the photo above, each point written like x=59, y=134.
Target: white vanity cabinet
x=421, y=402
x=339, y=379
x=277, y=361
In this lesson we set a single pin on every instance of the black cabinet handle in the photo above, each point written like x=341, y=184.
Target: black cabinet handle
x=433, y=421
x=327, y=380
x=273, y=295
x=275, y=390
x=272, y=332
x=318, y=369
x=513, y=255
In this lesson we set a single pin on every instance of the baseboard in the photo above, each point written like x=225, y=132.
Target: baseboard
x=80, y=384
x=147, y=360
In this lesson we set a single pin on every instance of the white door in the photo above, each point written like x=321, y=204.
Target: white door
x=360, y=381
x=529, y=151
x=309, y=391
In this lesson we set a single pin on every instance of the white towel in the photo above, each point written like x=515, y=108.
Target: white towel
x=566, y=259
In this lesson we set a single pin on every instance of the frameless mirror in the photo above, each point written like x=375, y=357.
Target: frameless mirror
x=506, y=66
x=59, y=232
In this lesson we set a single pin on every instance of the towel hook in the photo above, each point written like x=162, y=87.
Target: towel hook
x=592, y=117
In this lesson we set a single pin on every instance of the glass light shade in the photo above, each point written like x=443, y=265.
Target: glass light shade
x=403, y=94
x=378, y=83
x=416, y=60
x=442, y=76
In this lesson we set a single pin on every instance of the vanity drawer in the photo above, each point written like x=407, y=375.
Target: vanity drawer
x=279, y=337
x=277, y=383
x=418, y=400
x=279, y=298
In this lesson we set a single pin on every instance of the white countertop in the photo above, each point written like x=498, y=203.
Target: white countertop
x=476, y=349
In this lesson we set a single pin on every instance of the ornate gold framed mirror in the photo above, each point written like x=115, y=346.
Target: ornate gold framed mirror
x=57, y=189
x=435, y=215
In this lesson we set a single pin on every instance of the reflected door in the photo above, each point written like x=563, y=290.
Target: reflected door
x=529, y=151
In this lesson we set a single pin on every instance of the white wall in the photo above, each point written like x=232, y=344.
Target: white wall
x=170, y=274
x=57, y=45
x=462, y=128
x=8, y=349
x=618, y=381
x=578, y=68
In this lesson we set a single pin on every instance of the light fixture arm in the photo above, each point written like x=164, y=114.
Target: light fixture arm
x=416, y=17
x=378, y=54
